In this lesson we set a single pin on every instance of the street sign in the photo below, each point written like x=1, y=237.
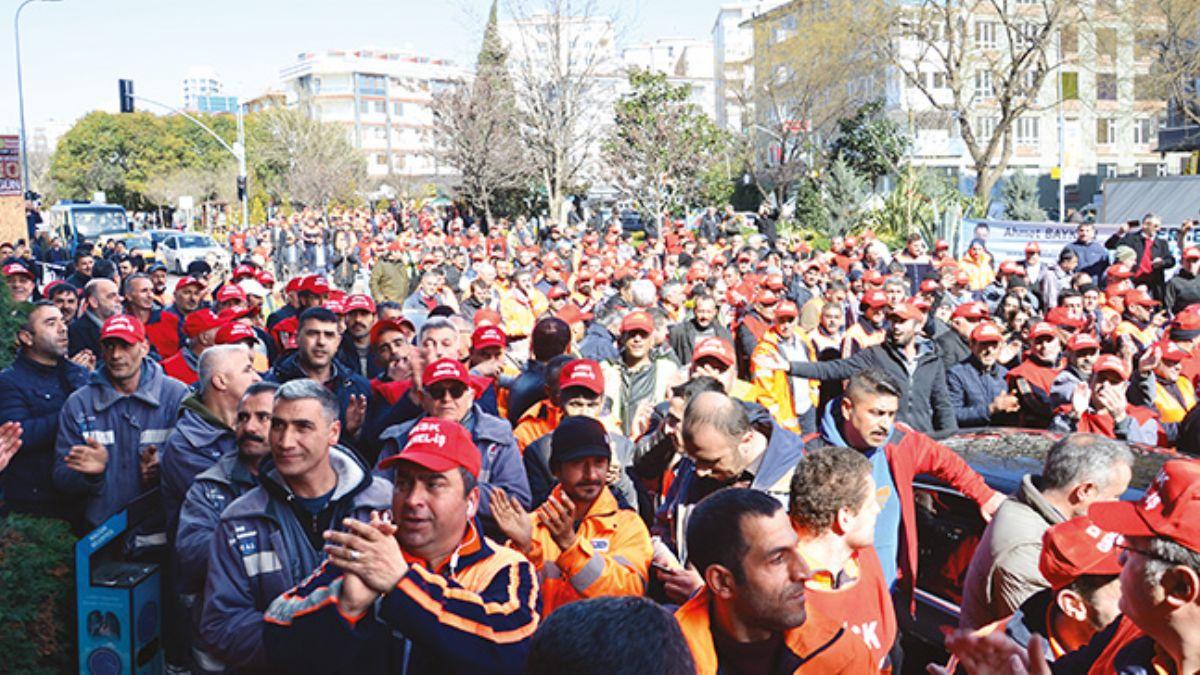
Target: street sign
x=10, y=166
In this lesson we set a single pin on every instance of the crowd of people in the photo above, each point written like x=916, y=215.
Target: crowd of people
x=399, y=441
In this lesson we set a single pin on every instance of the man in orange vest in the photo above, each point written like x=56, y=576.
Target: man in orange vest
x=834, y=505
x=751, y=616
x=581, y=542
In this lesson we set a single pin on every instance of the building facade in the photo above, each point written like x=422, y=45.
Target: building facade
x=382, y=98
x=204, y=91
x=733, y=66
x=684, y=61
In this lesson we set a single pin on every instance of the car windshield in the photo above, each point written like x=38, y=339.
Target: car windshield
x=92, y=223
x=195, y=241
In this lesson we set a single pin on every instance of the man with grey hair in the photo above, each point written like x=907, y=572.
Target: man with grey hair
x=101, y=299
x=643, y=293
x=1152, y=255
x=1079, y=470
x=430, y=293
x=204, y=431
x=271, y=538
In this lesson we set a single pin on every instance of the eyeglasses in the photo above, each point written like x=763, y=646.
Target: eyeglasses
x=438, y=391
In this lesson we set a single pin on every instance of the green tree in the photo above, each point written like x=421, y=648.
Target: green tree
x=1020, y=194
x=870, y=142
x=662, y=148
x=844, y=195
x=302, y=160
x=36, y=633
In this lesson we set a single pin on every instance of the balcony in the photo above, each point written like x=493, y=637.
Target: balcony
x=1179, y=139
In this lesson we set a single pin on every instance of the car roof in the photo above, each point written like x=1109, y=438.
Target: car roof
x=1004, y=455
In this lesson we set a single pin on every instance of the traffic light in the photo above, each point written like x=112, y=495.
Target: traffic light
x=241, y=183
x=126, y=87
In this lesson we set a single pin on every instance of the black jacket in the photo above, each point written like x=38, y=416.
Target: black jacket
x=684, y=335
x=925, y=404
x=1182, y=290
x=84, y=333
x=954, y=348
x=1156, y=280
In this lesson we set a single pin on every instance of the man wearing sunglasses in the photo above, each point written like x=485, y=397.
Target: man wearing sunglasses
x=446, y=394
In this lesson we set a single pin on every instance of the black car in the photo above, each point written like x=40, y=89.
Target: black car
x=949, y=525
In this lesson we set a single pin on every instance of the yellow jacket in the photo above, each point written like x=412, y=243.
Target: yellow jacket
x=775, y=387
x=1169, y=408
x=611, y=556
x=520, y=312
x=978, y=271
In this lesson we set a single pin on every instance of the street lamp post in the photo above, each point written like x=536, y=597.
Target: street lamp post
x=21, y=91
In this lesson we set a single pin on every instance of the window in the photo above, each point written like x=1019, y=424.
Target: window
x=985, y=34
x=1106, y=43
x=371, y=84
x=380, y=107
x=785, y=29
x=1144, y=89
x=364, y=107
x=948, y=529
x=1106, y=130
x=939, y=80
x=1070, y=86
x=1027, y=130
x=985, y=127
x=381, y=159
x=380, y=133
x=1145, y=45
x=1025, y=34
x=1144, y=131
x=1151, y=169
x=1106, y=86
x=397, y=109
x=1069, y=40
x=918, y=80
x=983, y=85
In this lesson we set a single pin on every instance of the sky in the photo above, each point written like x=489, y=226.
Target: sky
x=74, y=51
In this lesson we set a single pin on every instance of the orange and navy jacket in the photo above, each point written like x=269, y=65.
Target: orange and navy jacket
x=541, y=419
x=863, y=602
x=475, y=613
x=610, y=557
x=862, y=335
x=819, y=645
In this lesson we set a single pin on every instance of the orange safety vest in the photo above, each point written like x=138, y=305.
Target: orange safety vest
x=1169, y=408
x=536, y=422
x=864, y=604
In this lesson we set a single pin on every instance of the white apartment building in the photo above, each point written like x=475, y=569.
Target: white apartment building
x=684, y=61
x=733, y=66
x=204, y=91
x=384, y=100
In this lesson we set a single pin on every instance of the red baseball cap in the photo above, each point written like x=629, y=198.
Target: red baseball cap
x=1078, y=548
x=445, y=370
x=556, y=292
x=786, y=310
x=266, y=278
x=714, y=348
x=243, y=271
x=232, y=313
x=974, y=311
x=234, y=332
x=359, y=302
x=1139, y=297
x=293, y=284
x=1062, y=317
x=488, y=336
x=1081, y=341
x=487, y=317
x=637, y=320
x=962, y=278
x=1191, y=253
x=874, y=299
x=229, y=293
x=571, y=314
x=1120, y=271
x=1042, y=329
x=908, y=311
x=1032, y=247
x=1172, y=352
x=1111, y=364
x=774, y=282
x=765, y=296
x=987, y=332
x=438, y=445
x=873, y=277
x=200, y=321
x=336, y=306
x=315, y=284
x=382, y=327
x=930, y=286
x=1170, y=507
x=15, y=269
x=123, y=327
x=584, y=373
x=1011, y=267
x=188, y=281
x=941, y=245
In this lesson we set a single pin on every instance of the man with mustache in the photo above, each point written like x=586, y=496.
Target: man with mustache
x=582, y=542
x=355, y=349
x=234, y=474
x=751, y=615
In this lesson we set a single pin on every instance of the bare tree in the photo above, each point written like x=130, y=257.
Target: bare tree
x=816, y=71
x=1173, y=44
x=306, y=161
x=563, y=57
x=970, y=58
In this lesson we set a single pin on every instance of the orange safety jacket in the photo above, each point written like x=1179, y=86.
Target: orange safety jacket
x=860, y=336
x=819, y=646
x=1171, y=409
x=864, y=603
x=774, y=387
x=610, y=557
x=541, y=419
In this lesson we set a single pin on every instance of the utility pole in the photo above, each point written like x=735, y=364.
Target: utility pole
x=1062, y=170
x=21, y=94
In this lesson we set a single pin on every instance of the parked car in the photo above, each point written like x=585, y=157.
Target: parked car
x=157, y=236
x=949, y=525
x=135, y=242
x=180, y=249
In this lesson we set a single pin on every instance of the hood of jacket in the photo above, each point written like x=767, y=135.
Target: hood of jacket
x=832, y=421
x=352, y=476
x=289, y=369
x=198, y=424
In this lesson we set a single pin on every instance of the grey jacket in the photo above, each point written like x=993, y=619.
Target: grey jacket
x=1004, y=571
